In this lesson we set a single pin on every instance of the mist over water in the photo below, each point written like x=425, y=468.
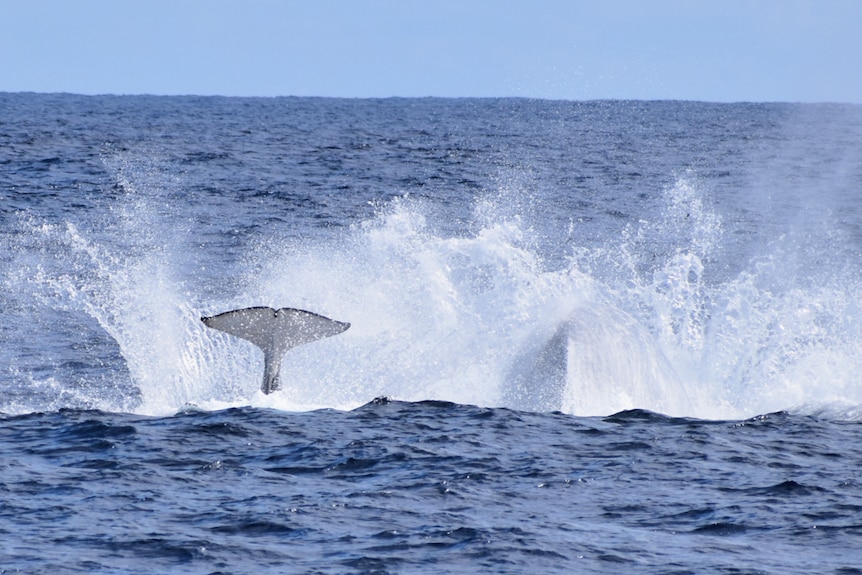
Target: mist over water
x=505, y=296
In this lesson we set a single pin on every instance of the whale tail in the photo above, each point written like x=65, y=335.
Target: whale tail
x=275, y=332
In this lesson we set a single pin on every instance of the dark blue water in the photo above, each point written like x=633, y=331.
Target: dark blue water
x=609, y=336
x=428, y=487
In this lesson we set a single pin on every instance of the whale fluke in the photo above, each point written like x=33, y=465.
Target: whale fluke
x=275, y=332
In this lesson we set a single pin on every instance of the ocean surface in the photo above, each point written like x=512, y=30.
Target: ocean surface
x=586, y=337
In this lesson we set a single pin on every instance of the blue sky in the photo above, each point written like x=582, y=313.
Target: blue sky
x=714, y=50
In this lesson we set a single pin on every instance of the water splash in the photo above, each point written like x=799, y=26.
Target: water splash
x=644, y=320
x=771, y=338
x=478, y=318
x=105, y=319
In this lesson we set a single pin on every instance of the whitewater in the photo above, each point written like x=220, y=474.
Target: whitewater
x=585, y=336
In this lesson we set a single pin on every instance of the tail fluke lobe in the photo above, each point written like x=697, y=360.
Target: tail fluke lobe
x=275, y=332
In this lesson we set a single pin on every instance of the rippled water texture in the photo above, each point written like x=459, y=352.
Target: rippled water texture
x=429, y=487
x=608, y=336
